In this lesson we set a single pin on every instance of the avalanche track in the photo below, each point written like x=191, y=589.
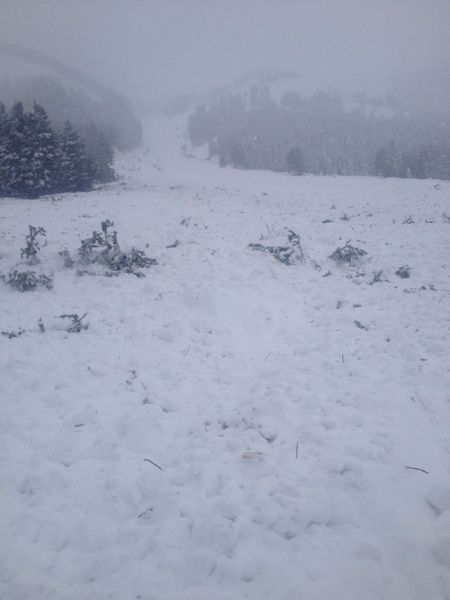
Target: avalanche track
x=229, y=427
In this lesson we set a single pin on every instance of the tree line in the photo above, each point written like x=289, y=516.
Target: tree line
x=37, y=159
x=321, y=135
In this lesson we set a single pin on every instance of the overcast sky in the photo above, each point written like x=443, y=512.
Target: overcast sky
x=156, y=47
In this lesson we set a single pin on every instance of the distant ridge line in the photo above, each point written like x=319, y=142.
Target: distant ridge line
x=43, y=60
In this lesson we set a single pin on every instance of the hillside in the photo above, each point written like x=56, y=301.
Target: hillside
x=66, y=93
x=229, y=426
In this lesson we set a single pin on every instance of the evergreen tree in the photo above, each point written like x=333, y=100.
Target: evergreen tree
x=27, y=152
x=384, y=163
x=15, y=155
x=35, y=161
x=3, y=121
x=414, y=165
x=43, y=151
x=75, y=172
x=237, y=154
x=3, y=137
x=295, y=162
x=201, y=126
x=100, y=154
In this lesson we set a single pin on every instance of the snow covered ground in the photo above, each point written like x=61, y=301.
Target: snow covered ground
x=228, y=426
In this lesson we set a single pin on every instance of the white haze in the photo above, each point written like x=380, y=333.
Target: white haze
x=151, y=49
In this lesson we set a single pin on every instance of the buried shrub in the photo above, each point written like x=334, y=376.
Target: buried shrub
x=33, y=244
x=25, y=281
x=13, y=334
x=76, y=323
x=103, y=248
x=347, y=254
x=377, y=278
x=288, y=254
x=68, y=260
x=403, y=272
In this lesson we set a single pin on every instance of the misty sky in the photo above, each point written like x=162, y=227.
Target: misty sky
x=156, y=47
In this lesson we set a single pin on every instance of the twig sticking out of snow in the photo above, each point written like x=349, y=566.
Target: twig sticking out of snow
x=417, y=469
x=153, y=463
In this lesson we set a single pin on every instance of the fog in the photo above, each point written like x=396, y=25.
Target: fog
x=151, y=49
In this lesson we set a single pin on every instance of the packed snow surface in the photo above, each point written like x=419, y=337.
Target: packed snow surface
x=229, y=426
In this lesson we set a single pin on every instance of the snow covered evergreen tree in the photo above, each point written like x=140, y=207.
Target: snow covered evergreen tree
x=42, y=148
x=3, y=136
x=15, y=155
x=100, y=153
x=295, y=162
x=35, y=161
x=3, y=120
x=74, y=169
x=384, y=164
x=27, y=152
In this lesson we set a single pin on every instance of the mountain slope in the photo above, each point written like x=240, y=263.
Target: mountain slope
x=66, y=93
x=229, y=426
